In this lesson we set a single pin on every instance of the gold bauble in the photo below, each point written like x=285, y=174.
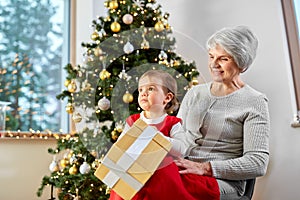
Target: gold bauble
x=176, y=63
x=98, y=51
x=72, y=87
x=115, y=27
x=70, y=154
x=168, y=27
x=69, y=108
x=145, y=44
x=95, y=164
x=127, y=97
x=106, y=4
x=94, y=35
x=114, y=135
x=104, y=74
x=159, y=26
x=77, y=117
x=113, y=4
x=195, y=81
x=64, y=162
x=67, y=82
x=73, y=170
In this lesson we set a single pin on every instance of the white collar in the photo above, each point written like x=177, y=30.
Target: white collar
x=152, y=121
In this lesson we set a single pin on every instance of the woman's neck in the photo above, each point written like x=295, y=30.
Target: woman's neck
x=222, y=88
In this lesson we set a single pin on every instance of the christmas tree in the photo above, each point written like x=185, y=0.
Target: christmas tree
x=134, y=37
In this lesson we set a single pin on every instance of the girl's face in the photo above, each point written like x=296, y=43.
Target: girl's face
x=222, y=66
x=153, y=97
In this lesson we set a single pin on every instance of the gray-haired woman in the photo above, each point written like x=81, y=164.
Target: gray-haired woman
x=227, y=121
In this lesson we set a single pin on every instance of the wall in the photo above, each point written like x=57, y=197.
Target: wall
x=270, y=74
x=24, y=163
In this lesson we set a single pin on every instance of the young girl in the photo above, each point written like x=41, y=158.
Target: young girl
x=157, y=96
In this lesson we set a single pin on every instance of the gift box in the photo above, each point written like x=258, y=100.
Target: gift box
x=133, y=159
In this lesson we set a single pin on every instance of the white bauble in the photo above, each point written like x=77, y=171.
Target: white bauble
x=104, y=104
x=84, y=168
x=128, y=48
x=162, y=55
x=53, y=167
x=127, y=19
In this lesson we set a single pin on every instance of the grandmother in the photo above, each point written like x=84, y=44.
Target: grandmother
x=226, y=121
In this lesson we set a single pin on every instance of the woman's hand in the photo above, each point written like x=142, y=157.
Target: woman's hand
x=191, y=167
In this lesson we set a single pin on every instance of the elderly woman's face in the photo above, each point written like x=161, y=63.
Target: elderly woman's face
x=222, y=66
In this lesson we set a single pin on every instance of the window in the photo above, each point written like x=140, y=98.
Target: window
x=34, y=47
x=291, y=11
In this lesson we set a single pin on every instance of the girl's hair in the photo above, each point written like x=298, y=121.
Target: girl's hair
x=170, y=85
x=240, y=42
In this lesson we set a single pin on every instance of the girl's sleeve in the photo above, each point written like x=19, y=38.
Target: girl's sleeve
x=177, y=138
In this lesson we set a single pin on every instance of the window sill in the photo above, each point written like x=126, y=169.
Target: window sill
x=31, y=135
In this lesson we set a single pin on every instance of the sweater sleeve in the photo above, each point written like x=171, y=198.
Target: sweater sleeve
x=255, y=157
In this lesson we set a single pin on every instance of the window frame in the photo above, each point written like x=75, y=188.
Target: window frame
x=292, y=34
x=70, y=37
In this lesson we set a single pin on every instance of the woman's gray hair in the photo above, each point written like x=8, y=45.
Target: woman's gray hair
x=240, y=42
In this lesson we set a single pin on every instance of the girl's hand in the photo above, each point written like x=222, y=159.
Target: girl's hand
x=191, y=167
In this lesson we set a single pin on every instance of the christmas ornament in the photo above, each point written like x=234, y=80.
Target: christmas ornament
x=106, y=4
x=195, y=81
x=102, y=31
x=127, y=19
x=119, y=127
x=163, y=62
x=64, y=162
x=113, y=5
x=127, y=97
x=72, y=86
x=139, y=3
x=53, y=167
x=114, y=135
x=69, y=155
x=95, y=164
x=128, y=48
x=84, y=168
x=145, y=44
x=86, y=86
x=73, y=159
x=94, y=35
x=104, y=74
x=115, y=27
x=123, y=75
x=73, y=170
x=176, y=63
x=69, y=108
x=159, y=26
x=67, y=82
x=104, y=104
x=98, y=51
x=162, y=55
x=77, y=117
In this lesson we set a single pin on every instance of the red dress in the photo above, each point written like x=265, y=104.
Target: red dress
x=166, y=183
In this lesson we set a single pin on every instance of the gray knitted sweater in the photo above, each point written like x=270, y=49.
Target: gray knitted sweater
x=231, y=132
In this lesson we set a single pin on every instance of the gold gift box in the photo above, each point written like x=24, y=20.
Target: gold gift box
x=133, y=159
